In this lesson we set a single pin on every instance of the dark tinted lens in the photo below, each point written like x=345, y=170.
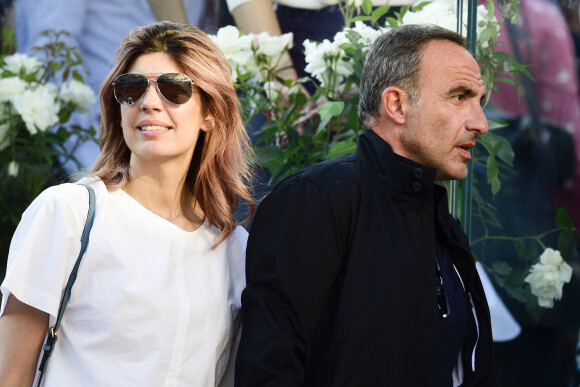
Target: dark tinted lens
x=130, y=87
x=176, y=88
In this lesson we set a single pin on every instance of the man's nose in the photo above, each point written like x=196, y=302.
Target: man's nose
x=477, y=122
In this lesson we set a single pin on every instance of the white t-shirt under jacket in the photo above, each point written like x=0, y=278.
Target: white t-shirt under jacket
x=153, y=305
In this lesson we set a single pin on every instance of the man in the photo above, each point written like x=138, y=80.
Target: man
x=357, y=275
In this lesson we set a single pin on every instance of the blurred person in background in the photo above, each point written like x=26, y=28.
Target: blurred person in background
x=544, y=129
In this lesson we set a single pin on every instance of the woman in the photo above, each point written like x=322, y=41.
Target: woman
x=157, y=296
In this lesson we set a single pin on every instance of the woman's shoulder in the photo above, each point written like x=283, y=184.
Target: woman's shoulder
x=238, y=238
x=66, y=197
x=234, y=244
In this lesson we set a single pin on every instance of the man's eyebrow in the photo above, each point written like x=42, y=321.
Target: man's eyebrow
x=468, y=91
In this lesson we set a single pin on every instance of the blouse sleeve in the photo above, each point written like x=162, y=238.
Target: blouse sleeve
x=232, y=4
x=44, y=248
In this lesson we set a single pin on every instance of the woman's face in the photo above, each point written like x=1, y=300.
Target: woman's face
x=156, y=130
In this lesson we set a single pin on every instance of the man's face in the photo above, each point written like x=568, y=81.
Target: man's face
x=443, y=125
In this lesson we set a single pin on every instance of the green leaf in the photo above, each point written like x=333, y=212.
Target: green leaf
x=517, y=293
x=331, y=109
x=492, y=174
x=77, y=77
x=379, y=12
x=497, y=146
x=421, y=5
x=360, y=18
x=496, y=124
x=486, y=34
x=320, y=132
x=266, y=154
x=501, y=268
x=502, y=56
x=563, y=218
x=534, y=309
x=367, y=7
x=495, y=185
x=506, y=152
x=393, y=22
x=505, y=80
x=272, y=158
x=516, y=277
x=341, y=148
x=566, y=244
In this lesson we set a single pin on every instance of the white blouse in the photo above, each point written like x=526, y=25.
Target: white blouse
x=153, y=305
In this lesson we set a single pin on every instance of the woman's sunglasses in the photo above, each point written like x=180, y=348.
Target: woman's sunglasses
x=175, y=88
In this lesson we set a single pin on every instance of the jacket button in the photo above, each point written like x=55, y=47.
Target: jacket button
x=416, y=186
x=418, y=172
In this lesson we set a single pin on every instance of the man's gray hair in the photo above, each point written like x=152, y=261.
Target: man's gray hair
x=394, y=60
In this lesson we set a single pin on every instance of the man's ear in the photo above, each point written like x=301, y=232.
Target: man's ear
x=394, y=102
x=208, y=123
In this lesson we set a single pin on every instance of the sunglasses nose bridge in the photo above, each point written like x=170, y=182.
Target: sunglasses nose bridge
x=159, y=93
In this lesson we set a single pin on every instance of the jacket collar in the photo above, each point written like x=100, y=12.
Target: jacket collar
x=409, y=177
x=396, y=172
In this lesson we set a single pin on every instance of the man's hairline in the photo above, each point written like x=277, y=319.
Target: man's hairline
x=415, y=98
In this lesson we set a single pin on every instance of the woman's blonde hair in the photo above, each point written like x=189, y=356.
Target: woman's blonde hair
x=219, y=175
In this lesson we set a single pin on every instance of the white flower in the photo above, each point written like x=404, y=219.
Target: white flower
x=484, y=19
x=547, y=277
x=38, y=107
x=326, y=61
x=20, y=62
x=11, y=87
x=443, y=14
x=355, y=3
x=274, y=46
x=367, y=35
x=269, y=53
x=316, y=57
x=237, y=48
x=340, y=38
x=78, y=94
x=440, y=13
x=310, y=47
x=271, y=90
x=13, y=168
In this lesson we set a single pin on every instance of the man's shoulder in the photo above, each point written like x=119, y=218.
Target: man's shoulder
x=328, y=188
x=329, y=173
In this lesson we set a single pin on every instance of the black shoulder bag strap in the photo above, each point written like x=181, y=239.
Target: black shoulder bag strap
x=51, y=336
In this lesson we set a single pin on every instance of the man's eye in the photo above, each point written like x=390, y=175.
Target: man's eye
x=460, y=97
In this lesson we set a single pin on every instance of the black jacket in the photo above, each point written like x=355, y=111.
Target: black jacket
x=341, y=277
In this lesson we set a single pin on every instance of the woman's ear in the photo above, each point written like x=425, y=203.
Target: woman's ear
x=208, y=123
x=394, y=102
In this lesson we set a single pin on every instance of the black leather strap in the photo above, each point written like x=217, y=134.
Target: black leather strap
x=51, y=337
